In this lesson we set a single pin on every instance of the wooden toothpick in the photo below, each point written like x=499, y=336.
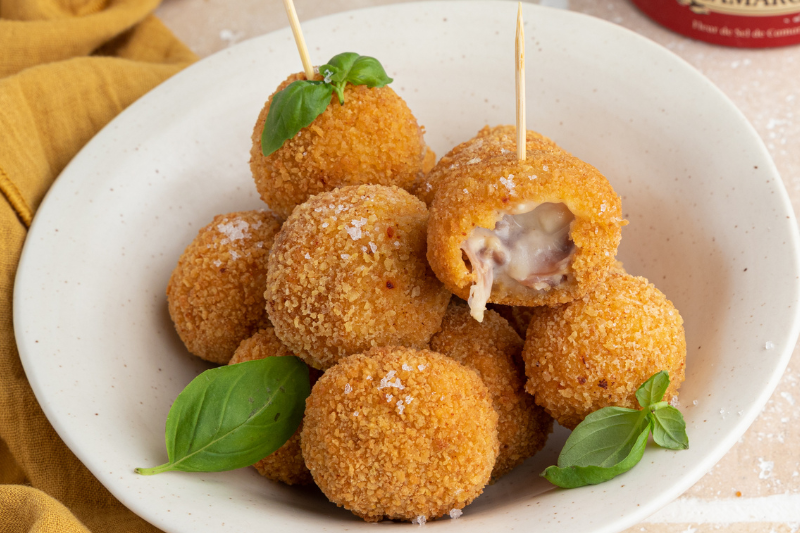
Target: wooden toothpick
x=519, y=72
x=298, y=39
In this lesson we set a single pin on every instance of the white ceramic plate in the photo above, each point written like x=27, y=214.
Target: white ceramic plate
x=711, y=225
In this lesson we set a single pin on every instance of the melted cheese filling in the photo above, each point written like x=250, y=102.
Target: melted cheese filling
x=529, y=247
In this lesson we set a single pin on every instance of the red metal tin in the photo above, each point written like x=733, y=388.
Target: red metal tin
x=740, y=23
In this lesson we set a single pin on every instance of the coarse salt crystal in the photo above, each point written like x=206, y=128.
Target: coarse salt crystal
x=389, y=397
x=545, y=168
x=406, y=367
x=234, y=231
x=603, y=207
x=364, y=249
x=420, y=520
x=307, y=256
x=694, y=402
x=373, y=247
x=217, y=262
x=324, y=224
x=355, y=413
x=455, y=513
x=409, y=399
x=421, y=367
x=769, y=345
x=466, y=191
x=400, y=406
x=347, y=388
x=397, y=244
x=474, y=160
x=345, y=256
x=533, y=177
x=509, y=183
x=234, y=255
x=355, y=231
x=369, y=377
x=674, y=402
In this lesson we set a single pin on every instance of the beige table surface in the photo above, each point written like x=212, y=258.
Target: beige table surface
x=756, y=486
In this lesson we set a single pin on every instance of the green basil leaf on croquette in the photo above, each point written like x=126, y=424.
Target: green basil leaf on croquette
x=571, y=477
x=293, y=109
x=355, y=69
x=233, y=416
x=652, y=390
x=604, y=438
x=669, y=428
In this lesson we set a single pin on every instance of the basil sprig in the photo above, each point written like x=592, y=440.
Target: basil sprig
x=612, y=440
x=234, y=416
x=296, y=106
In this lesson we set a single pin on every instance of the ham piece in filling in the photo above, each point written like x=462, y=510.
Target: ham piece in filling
x=529, y=246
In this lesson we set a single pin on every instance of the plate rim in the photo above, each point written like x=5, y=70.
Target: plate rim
x=632, y=516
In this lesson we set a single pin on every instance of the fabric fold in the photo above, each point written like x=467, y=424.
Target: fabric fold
x=67, y=68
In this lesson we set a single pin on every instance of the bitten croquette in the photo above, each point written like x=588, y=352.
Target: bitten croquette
x=372, y=138
x=348, y=273
x=216, y=293
x=286, y=463
x=542, y=231
x=596, y=351
x=489, y=140
x=399, y=433
x=491, y=349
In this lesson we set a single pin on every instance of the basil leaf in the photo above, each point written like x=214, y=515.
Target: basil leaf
x=652, y=390
x=368, y=71
x=233, y=416
x=352, y=68
x=669, y=428
x=577, y=476
x=339, y=66
x=291, y=110
x=604, y=438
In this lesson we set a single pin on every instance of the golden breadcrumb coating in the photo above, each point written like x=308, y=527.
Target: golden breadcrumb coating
x=596, y=351
x=399, y=433
x=489, y=140
x=286, y=463
x=519, y=317
x=372, y=138
x=474, y=196
x=490, y=348
x=348, y=273
x=215, y=294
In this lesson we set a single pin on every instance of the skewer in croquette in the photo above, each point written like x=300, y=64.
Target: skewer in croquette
x=348, y=273
x=491, y=349
x=488, y=141
x=285, y=464
x=399, y=433
x=595, y=351
x=216, y=293
x=372, y=138
x=542, y=231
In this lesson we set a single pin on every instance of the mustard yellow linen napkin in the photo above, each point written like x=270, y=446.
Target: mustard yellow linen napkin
x=67, y=67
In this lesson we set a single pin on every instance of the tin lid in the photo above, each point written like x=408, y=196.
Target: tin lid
x=743, y=24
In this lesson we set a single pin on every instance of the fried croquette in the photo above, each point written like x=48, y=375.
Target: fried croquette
x=537, y=232
x=489, y=140
x=348, y=273
x=399, y=433
x=286, y=463
x=372, y=138
x=491, y=349
x=215, y=294
x=518, y=317
x=595, y=351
